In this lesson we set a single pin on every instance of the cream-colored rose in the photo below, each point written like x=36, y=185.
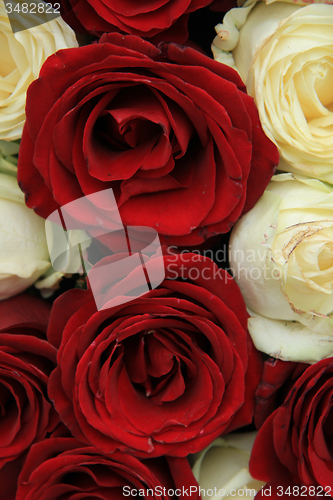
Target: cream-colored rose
x=23, y=250
x=284, y=53
x=50, y=281
x=22, y=55
x=281, y=254
x=224, y=465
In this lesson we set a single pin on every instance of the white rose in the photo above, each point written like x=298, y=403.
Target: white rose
x=284, y=53
x=281, y=253
x=22, y=55
x=50, y=281
x=224, y=465
x=23, y=250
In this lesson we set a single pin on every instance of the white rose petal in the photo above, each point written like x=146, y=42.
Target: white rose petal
x=24, y=255
x=284, y=53
x=50, y=282
x=281, y=254
x=224, y=465
x=289, y=340
x=22, y=55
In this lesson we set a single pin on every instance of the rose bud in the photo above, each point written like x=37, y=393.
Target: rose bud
x=281, y=253
x=284, y=54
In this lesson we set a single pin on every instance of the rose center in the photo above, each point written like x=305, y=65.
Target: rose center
x=315, y=258
x=120, y=137
x=325, y=258
x=314, y=88
x=323, y=82
x=5, y=397
x=309, y=283
x=155, y=365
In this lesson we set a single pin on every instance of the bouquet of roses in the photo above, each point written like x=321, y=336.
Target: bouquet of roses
x=166, y=251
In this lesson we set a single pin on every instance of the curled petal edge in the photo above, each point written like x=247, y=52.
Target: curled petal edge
x=290, y=340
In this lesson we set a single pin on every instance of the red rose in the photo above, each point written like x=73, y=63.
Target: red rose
x=144, y=18
x=64, y=468
x=26, y=360
x=164, y=374
x=9, y=474
x=295, y=442
x=171, y=131
x=277, y=377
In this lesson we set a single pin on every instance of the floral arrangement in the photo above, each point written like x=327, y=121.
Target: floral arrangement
x=166, y=250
